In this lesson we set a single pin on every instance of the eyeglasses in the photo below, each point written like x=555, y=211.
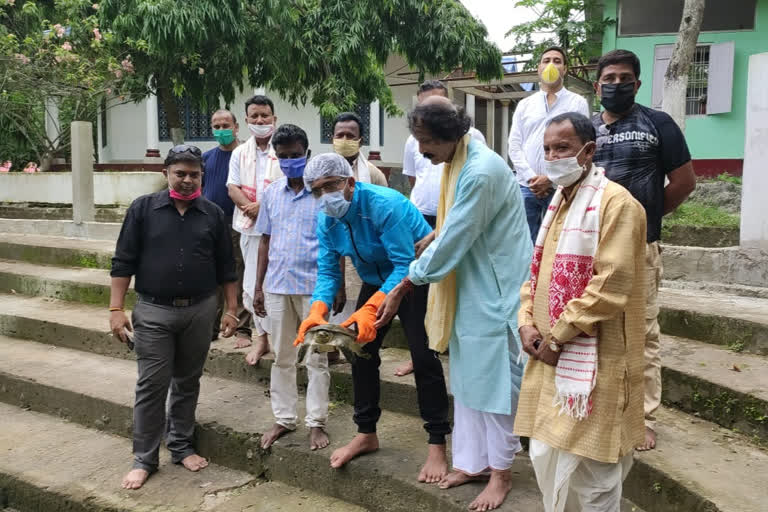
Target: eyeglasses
x=184, y=148
x=331, y=186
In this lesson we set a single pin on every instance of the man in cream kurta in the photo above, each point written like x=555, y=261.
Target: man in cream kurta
x=580, y=463
x=483, y=248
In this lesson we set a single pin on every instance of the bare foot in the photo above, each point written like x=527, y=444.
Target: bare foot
x=260, y=349
x=457, y=478
x=404, y=369
x=650, y=441
x=436, y=466
x=242, y=341
x=318, y=438
x=495, y=492
x=194, y=462
x=359, y=445
x=276, y=432
x=135, y=479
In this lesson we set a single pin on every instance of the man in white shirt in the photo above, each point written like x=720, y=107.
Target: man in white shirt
x=527, y=134
x=252, y=167
x=425, y=178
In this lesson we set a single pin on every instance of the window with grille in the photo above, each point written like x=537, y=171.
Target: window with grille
x=698, y=81
x=363, y=110
x=196, y=123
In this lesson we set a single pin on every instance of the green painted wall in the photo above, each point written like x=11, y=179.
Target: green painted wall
x=710, y=136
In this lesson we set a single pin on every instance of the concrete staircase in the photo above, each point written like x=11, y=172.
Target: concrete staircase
x=60, y=372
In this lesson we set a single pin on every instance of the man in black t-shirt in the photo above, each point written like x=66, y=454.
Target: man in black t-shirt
x=640, y=147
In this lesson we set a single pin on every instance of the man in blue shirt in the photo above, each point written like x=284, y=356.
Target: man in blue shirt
x=287, y=270
x=377, y=228
x=224, y=126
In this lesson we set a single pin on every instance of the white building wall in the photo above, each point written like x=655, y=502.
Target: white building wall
x=126, y=128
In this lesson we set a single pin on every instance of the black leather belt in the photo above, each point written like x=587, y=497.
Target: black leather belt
x=176, y=302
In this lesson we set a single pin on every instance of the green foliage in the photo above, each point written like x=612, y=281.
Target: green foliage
x=728, y=178
x=575, y=25
x=693, y=213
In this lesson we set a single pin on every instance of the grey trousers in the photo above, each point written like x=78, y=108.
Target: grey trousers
x=171, y=349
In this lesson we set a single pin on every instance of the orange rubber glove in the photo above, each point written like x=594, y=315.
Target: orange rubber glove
x=365, y=317
x=317, y=313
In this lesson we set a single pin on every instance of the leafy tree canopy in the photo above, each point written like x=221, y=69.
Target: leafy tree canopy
x=575, y=25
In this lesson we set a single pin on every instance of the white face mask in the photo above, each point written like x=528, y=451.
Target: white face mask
x=333, y=204
x=565, y=171
x=261, y=131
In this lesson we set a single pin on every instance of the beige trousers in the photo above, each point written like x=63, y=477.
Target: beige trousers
x=654, y=270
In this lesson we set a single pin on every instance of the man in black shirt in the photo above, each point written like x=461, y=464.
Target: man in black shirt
x=639, y=148
x=177, y=245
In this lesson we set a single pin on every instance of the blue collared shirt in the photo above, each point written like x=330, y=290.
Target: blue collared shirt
x=290, y=220
x=378, y=233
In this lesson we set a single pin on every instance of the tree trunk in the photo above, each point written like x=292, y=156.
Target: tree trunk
x=172, y=115
x=676, y=77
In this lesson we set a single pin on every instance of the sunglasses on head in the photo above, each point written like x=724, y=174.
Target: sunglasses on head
x=185, y=148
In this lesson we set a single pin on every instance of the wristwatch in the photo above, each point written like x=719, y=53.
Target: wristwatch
x=553, y=346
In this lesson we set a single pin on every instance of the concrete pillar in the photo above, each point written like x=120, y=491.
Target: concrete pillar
x=490, y=123
x=374, y=132
x=754, y=221
x=261, y=91
x=469, y=106
x=52, y=125
x=83, y=209
x=504, y=129
x=414, y=101
x=153, y=130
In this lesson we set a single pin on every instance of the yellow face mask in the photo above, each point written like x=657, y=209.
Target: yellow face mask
x=346, y=147
x=550, y=74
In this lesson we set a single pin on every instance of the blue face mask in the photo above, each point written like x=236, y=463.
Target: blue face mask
x=333, y=204
x=293, y=167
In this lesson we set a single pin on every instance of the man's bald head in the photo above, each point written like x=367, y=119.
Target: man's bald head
x=437, y=124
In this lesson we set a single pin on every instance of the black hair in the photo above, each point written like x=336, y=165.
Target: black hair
x=445, y=121
x=288, y=134
x=226, y=111
x=555, y=49
x=581, y=125
x=259, y=99
x=193, y=156
x=431, y=85
x=619, y=57
x=348, y=116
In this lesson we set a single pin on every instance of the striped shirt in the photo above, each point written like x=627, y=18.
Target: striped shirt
x=290, y=220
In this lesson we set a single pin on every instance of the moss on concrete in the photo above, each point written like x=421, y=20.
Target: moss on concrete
x=70, y=291
x=734, y=333
x=60, y=256
x=652, y=489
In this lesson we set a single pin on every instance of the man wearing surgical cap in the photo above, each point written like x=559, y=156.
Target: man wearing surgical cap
x=526, y=137
x=377, y=228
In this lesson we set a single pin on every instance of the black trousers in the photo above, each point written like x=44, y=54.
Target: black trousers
x=427, y=369
x=431, y=220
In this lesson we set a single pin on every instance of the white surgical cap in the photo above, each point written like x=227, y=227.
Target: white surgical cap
x=325, y=165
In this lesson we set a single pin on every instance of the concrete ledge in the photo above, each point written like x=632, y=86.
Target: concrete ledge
x=701, y=236
x=731, y=265
x=738, y=333
x=65, y=228
x=64, y=256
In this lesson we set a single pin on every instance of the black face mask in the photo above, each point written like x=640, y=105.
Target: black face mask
x=617, y=98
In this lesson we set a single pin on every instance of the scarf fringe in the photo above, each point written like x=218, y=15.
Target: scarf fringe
x=577, y=406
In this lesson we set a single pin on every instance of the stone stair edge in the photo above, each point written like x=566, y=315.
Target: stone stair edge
x=686, y=384
x=649, y=486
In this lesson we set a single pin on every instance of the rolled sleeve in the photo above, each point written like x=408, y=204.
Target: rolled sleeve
x=263, y=223
x=125, y=262
x=409, y=157
x=233, y=178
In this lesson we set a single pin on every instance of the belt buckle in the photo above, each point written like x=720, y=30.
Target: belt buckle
x=182, y=303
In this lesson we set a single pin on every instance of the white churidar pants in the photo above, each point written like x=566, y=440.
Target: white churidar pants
x=571, y=483
x=249, y=245
x=482, y=441
x=286, y=313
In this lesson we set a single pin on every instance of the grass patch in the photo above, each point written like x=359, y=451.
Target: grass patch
x=728, y=178
x=693, y=213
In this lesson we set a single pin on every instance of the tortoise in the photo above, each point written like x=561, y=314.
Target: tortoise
x=330, y=338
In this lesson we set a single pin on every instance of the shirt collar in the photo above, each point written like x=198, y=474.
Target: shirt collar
x=303, y=192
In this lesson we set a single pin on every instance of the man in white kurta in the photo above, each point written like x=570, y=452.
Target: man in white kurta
x=478, y=259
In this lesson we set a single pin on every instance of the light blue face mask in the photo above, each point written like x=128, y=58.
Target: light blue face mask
x=333, y=204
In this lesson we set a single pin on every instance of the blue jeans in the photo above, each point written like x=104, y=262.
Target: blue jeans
x=535, y=209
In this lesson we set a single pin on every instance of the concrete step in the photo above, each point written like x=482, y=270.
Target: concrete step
x=56, y=250
x=728, y=265
x=697, y=377
x=97, y=391
x=716, y=288
x=57, y=212
x=52, y=465
x=740, y=323
x=65, y=228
